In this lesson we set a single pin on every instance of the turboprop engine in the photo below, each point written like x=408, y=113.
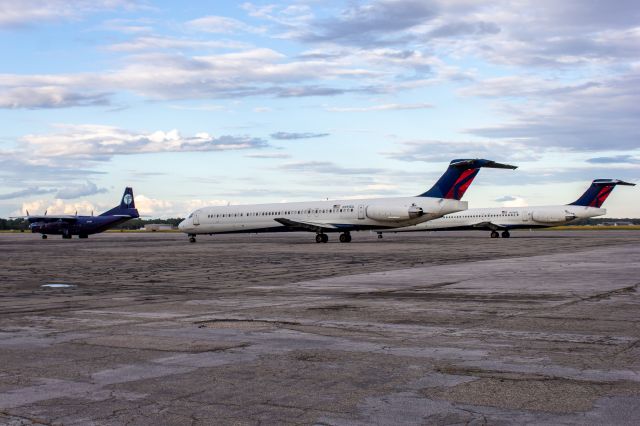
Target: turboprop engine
x=393, y=213
x=552, y=216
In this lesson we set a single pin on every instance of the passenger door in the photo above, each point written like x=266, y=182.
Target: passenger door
x=196, y=219
x=360, y=211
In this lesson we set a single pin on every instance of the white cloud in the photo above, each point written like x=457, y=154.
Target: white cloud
x=222, y=24
x=384, y=107
x=154, y=42
x=29, y=12
x=97, y=142
x=58, y=206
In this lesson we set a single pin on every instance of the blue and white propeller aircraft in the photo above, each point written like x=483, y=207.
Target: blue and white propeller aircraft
x=342, y=216
x=507, y=218
x=83, y=226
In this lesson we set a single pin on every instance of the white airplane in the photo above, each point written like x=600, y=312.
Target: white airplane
x=342, y=216
x=506, y=218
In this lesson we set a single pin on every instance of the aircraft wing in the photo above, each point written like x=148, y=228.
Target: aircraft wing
x=488, y=225
x=305, y=225
x=52, y=218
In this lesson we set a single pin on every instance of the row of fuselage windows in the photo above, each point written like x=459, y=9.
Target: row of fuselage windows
x=483, y=215
x=288, y=212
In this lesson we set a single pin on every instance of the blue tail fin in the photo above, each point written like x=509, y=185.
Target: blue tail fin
x=455, y=181
x=598, y=192
x=127, y=206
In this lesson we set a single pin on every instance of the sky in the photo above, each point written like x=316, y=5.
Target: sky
x=220, y=102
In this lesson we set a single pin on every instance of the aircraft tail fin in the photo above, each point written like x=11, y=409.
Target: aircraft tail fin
x=127, y=205
x=598, y=192
x=455, y=181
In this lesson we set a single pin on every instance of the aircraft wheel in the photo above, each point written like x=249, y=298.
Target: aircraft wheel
x=505, y=234
x=325, y=238
x=380, y=235
x=494, y=234
x=44, y=236
x=345, y=238
x=319, y=238
x=192, y=238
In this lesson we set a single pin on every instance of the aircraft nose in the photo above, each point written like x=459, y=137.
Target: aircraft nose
x=181, y=225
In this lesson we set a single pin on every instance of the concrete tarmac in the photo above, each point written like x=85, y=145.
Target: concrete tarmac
x=420, y=328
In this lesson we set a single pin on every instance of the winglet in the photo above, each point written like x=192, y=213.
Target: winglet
x=459, y=175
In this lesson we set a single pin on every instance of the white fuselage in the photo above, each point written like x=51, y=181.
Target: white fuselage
x=508, y=218
x=337, y=215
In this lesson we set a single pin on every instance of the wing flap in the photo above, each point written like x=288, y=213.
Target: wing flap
x=52, y=218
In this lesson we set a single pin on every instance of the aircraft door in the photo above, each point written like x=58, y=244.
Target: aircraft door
x=526, y=216
x=360, y=211
x=196, y=218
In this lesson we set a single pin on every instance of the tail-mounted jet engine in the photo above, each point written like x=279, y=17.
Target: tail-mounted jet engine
x=553, y=217
x=393, y=213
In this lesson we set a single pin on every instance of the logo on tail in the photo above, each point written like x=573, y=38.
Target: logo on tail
x=456, y=180
x=598, y=192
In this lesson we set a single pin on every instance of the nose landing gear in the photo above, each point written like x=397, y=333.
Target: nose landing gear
x=44, y=236
x=192, y=238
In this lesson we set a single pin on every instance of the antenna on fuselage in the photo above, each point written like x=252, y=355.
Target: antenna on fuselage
x=45, y=212
x=91, y=212
x=27, y=212
x=76, y=212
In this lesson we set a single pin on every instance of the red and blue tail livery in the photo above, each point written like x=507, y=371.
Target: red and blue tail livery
x=598, y=192
x=455, y=181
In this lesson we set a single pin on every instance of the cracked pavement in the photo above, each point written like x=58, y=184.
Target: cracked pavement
x=412, y=329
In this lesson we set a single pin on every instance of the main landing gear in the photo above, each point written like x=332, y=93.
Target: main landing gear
x=66, y=236
x=321, y=238
x=505, y=234
x=192, y=238
x=345, y=237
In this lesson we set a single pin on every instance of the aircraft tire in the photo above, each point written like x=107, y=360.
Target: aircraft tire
x=325, y=238
x=505, y=234
x=494, y=234
x=379, y=235
x=345, y=238
x=44, y=236
x=192, y=238
x=319, y=238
